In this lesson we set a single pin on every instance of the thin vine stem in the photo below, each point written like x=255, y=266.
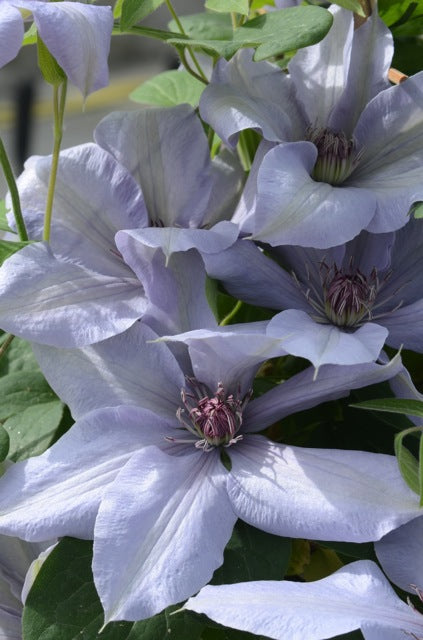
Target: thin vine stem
x=200, y=73
x=59, y=101
x=232, y=313
x=189, y=69
x=14, y=193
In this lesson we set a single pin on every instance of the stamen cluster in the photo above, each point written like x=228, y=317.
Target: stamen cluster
x=348, y=296
x=214, y=418
x=336, y=155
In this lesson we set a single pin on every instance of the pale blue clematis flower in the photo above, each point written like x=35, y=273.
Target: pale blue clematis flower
x=358, y=596
x=141, y=470
x=76, y=34
x=340, y=305
x=344, y=149
x=104, y=267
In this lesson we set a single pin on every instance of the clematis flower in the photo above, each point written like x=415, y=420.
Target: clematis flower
x=358, y=596
x=343, y=150
x=91, y=282
x=340, y=305
x=141, y=470
x=76, y=34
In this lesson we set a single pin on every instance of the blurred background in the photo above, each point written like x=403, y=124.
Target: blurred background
x=25, y=99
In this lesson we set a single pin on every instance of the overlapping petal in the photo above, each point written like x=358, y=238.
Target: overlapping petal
x=292, y=208
x=326, y=343
x=165, y=522
x=320, y=494
x=128, y=369
x=163, y=148
x=358, y=595
x=59, y=492
x=44, y=299
x=305, y=390
x=400, y=554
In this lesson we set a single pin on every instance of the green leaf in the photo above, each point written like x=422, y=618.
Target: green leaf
x=210, y=26
x=393, y=405
x=351, y=5
x=271, y=34
x=51, y=70
x=33, y=430
x=252, y=554
x=169, y=89
x=228, y=6
x=18, y=357
x=30, y=36
x=117, y=9
x=135, y=10
x=4, y=225
x=30, y=412
x=259, y=4
x=400, y=13
x=408, y=465
x=63, y=605
x=9, y=247
x=284, y=30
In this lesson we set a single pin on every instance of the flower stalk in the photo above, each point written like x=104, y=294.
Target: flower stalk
x=59, y=102
x=14, y=194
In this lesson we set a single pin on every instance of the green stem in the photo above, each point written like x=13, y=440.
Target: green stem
x=200, y=72
x=232, y=313
x=234, y=21
x=188, y=68
x=6, y=344
x=14, y=194
x=59, y=101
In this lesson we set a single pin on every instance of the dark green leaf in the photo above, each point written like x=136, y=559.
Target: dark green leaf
x=9, y=247
x=135, y=10
x=407, y=463
x=18, y=357
x=169, y=89
x=359, y=551
x=228, y=6
x=252, y=554
x=4, y=443
x=393, y=405
x=63, y=605
x=30, y=412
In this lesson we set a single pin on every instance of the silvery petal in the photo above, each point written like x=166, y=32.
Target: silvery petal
x=355, y=596
x=321, y=494
x=149, y=548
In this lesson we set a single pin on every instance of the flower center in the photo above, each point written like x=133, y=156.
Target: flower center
x=348, y=297
x=213, y=418
x=336, y=156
